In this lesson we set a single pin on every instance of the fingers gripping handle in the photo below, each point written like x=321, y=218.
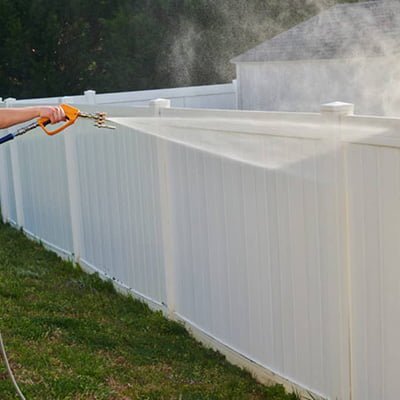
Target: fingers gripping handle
x=71, y=114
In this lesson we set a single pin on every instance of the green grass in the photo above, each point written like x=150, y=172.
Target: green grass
x=69, y=335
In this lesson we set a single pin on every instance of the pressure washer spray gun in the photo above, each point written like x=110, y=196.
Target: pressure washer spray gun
x=71, y=113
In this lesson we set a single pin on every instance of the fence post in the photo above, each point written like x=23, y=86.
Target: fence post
x=337, y=110
x=16, y=174
x=236, y=94
x=334, y=114
x=4, y=187
x=165, y=203
x=158, y=104
x=90, y=96
x=73, y=189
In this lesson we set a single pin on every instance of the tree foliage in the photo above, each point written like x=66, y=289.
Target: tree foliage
x=50, y=48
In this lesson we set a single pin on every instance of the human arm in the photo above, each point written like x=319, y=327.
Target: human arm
x=14, y=116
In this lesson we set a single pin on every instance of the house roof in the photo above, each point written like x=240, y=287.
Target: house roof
x=367, y=29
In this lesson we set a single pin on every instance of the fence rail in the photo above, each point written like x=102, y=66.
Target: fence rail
x=222, y=96
x=274, y=236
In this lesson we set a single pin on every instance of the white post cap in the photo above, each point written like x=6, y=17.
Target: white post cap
x=337, y=108
x=9, y=101
x=90, y=96
x=157, y=104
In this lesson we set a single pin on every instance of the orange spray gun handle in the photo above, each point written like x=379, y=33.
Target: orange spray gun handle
x=71, y=114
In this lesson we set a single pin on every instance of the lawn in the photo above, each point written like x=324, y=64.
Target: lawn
x=69, y=335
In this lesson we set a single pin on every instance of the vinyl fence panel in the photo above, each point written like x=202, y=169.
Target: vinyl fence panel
x=222, y=96
x=257, y=250
x=374, y=209
x=121, y=222
x=44, y=189
x=7, y=192
x=273, y=236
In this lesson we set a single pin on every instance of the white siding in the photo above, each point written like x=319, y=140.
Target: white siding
x=371, y=84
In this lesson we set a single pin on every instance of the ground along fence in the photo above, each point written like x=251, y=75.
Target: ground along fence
x=273, y=236
x=221, y=96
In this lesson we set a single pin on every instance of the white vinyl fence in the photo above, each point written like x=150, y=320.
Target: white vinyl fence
x=274, y=236
x=221, y=96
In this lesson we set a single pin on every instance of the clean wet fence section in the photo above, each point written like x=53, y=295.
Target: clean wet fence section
x=274, y=235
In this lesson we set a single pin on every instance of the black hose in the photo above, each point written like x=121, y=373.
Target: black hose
x=6, y=138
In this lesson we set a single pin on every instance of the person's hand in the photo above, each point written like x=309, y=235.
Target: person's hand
x=54, y=114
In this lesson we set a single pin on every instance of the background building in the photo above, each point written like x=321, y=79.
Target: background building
x=349, y=53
